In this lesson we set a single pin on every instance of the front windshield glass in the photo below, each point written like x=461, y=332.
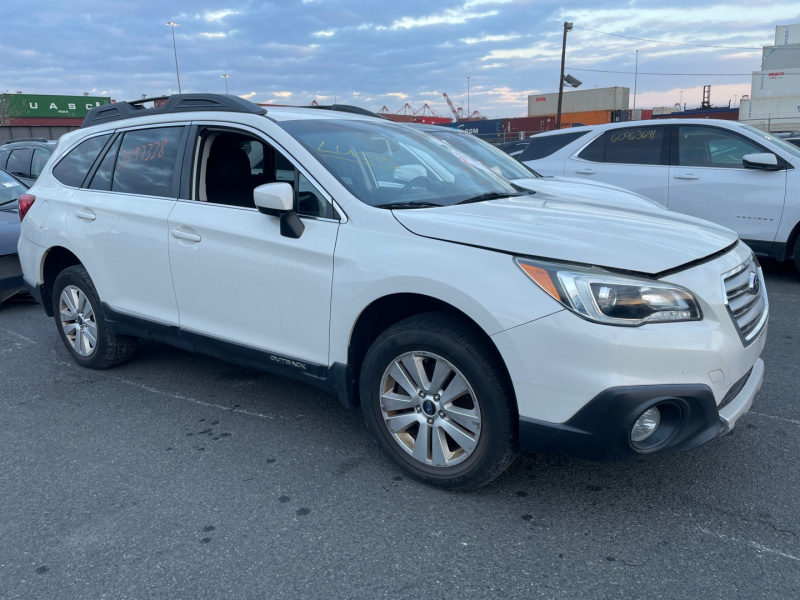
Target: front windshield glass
x=494, y=158
x=782, y=144
x=10, y=190
x=393, y=166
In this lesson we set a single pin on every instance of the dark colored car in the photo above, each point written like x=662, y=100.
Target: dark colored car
x=10, y=272
x=26, y=158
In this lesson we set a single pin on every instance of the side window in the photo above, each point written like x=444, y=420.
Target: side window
x=3, y=159
x=72, y=169
x=19, y=162
x=40, y=157
x=596, y=151
x=635, y=145
x=232, y=164
x=700, y=146
x=541, y=147
x=102, y=177
x=146, y=162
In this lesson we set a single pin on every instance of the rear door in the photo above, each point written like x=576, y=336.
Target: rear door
x=708, y=180
x=117, y=221
x=634, y=158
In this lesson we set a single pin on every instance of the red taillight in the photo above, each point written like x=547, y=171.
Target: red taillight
x=25, y=203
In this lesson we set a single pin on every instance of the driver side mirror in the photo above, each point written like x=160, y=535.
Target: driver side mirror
x=277, y=200
x=766, y=161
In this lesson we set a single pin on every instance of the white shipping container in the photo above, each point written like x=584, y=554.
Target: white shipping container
x=771, y=114
x=787, y=34
x=611, y=98
x=775, y=58
x=776, y=84
x=664, y=110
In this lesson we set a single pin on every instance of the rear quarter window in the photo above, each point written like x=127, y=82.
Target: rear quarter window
x=541, y=147
x=73, y=168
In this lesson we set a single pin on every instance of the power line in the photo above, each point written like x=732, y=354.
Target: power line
x=663, y=42
x=677, y=74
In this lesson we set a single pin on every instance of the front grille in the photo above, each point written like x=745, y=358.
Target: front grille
x=746, y=299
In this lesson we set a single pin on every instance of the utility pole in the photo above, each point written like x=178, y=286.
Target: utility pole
x=567, y=27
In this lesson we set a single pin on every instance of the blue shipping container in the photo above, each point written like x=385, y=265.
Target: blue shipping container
x=487, y=129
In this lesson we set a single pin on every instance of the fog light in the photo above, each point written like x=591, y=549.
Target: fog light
x=645, y=425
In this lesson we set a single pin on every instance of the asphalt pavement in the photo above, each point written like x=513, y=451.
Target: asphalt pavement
x=181, y=476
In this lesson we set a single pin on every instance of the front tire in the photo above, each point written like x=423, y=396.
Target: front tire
x=82, y=325
x=796, y=254
x=438, y=401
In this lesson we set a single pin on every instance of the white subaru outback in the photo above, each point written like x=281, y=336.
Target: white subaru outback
x=468, y=318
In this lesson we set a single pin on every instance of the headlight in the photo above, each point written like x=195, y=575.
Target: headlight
x=614, y=300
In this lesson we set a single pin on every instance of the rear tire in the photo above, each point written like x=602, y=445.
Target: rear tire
x=796, y=253
x=82, y=325
x=439, y=402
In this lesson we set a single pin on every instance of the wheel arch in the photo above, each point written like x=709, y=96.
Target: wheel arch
x=384, y=312
x=56, y=260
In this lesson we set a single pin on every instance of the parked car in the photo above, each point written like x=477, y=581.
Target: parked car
x=567, y=188
x=25, y=158
x=11, y=282
x=723, y=171
x=468, y=318
x=513, y=149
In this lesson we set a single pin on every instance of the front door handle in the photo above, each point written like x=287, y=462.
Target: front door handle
x=689, y=176
x=86, y=215
x=184, y=235
x=586, y=172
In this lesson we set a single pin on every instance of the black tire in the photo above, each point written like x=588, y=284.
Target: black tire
x=78, y=327
x=453, y=343
x=796, y=254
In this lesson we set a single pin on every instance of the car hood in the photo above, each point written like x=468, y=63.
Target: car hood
x=9, y=231
x=568, y=188
x=645, y=241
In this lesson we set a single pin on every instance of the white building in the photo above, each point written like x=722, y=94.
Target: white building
x=774, y=103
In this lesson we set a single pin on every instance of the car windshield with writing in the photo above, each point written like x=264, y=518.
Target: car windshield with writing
x=391, y=166
x=10, y=189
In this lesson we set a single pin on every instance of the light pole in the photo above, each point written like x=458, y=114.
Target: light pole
x=567, y=27
x=635, y=77
x=173, y=25
x=680, y=104
x=468, y=113
x=225, y=77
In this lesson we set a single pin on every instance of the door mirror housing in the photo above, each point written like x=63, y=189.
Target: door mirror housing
x=277, y=200
x=274, y=198
x=765, y=161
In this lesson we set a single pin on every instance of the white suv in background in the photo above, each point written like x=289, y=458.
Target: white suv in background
x=723, y=171
x=468, y=318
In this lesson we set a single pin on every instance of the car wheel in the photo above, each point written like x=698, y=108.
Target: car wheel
x=81, y=322
x=439, y=402
x=796, y=253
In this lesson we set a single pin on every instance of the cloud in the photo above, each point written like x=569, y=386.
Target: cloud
x=398, y=95
x=490, y=38
x=324, y=34
x=247, y=96
x=452, y=16
x=217, y=35
x=218, y=15
x=282, y=94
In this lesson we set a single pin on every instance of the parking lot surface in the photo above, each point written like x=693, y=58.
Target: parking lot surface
x=180, y=476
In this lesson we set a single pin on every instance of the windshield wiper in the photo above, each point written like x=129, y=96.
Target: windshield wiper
x=410, y=204
x=8, y=202
x=493, y=196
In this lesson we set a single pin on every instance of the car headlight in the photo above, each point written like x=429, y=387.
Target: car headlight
x=603, y=297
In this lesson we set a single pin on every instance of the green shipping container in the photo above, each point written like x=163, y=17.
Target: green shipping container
x=49, y=107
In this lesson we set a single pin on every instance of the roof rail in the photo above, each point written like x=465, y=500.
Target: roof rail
x=348, y=108
x=26, y=140
x=177, y=103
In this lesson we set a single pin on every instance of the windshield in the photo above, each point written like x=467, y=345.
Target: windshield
x=393, y=166
x=10, y=190
x=782, y=144
x=492, y=157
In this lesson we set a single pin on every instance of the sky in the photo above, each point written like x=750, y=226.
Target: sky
x=488, y=55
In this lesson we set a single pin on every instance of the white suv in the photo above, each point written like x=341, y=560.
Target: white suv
x=467, y=318
x=724, y=171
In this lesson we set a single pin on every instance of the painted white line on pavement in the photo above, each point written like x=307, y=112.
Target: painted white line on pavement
x=757, y=546
x=18, y=335
x=793, y=421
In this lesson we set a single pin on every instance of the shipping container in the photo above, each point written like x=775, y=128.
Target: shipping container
x=432, y=120
x=611, y=98
x=787, y=34
x=399, y=118
x=523, y=127
x=777, y=83
x=51, y=132
x=664, y=110
x=726, y=114
x=48, y=107
x=588, y=117
x=620, y=116
x=19, y=122
x=775, y=58
x=771, y=114
x=490, y=130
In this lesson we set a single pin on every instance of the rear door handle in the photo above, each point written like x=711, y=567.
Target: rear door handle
x=86, y=215
x=184, y=235
x=689, y=176
x=586, y=172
